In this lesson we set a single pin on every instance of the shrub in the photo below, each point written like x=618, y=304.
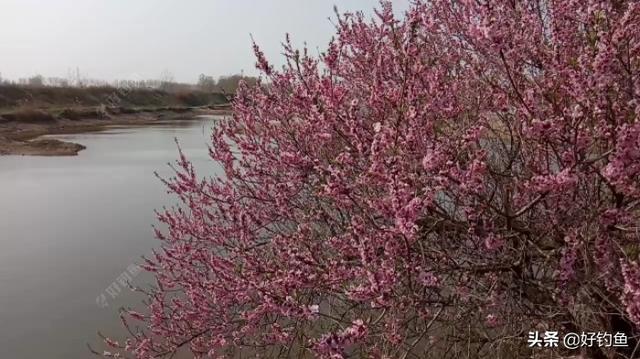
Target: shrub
x=433, y=186
x=76, y=114
x=30, y=116
x=191, y=98
x=129, y=110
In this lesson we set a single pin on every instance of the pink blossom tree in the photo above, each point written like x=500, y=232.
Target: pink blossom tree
x=432, y=186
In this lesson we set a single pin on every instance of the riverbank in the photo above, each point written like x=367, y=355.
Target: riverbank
x=21, y=132
x=71, y=226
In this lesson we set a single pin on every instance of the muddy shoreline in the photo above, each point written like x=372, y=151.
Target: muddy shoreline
x=23, y=138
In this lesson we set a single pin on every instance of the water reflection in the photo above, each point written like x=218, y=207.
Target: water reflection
x=70, y=226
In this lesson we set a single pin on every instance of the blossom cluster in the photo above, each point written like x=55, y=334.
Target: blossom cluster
x=457, y=175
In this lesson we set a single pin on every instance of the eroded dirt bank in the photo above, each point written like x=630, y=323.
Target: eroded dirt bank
x=24, y=137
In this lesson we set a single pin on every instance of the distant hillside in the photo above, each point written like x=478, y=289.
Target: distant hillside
x=14, y=96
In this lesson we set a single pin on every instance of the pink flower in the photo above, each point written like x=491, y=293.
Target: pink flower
x=493, y=242
x=631, y=291
x=428, y=279
x=462, y=159
x=492, y=320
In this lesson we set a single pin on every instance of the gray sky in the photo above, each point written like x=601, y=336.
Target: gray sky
x=128, y=39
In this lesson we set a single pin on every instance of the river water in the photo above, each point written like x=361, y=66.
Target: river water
x=70, y=227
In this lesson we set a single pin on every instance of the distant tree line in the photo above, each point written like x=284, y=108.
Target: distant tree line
x=226, y=84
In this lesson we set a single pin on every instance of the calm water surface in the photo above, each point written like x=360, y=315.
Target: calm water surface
x=70, y=226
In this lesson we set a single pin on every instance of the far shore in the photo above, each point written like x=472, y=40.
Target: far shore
x=22, y=136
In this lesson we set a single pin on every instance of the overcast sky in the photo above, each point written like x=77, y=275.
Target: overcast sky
x=133, y=39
